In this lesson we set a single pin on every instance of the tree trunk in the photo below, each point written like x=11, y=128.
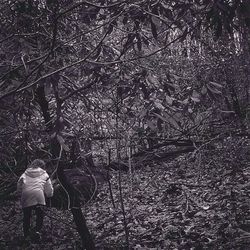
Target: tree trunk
x=73, y=199
x=44, y=105
x=75, y=206
x=82, y=228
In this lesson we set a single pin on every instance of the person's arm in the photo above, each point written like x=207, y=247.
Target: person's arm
x=48, y=188
x=20, y=184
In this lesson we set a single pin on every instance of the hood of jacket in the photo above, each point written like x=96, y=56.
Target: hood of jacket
x=34, y=172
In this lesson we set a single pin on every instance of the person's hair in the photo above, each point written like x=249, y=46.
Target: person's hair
x=37, y=163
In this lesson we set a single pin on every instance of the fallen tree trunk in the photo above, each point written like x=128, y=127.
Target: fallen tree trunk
x=143, y=158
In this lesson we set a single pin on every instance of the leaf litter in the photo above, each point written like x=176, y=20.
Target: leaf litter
x=185, y=203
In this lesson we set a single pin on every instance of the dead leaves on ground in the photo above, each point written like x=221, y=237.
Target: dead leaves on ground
x=182, y=204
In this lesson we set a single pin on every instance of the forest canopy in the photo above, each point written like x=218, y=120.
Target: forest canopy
x=134, y=69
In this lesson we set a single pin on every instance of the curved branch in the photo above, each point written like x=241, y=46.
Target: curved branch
x=18, y=89
x=90, y=4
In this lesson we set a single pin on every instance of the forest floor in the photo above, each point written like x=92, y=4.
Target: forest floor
x=185, y=203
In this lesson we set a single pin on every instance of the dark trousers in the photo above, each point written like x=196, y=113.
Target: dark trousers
x=27, y=213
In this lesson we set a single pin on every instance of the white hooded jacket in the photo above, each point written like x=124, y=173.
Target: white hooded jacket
x=33, y=185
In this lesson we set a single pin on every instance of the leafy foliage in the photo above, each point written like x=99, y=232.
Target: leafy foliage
x=107, y=79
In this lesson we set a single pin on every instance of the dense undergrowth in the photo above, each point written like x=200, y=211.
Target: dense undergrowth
x=199, y=200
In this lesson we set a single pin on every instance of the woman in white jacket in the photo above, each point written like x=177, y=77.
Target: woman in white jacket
x=33, y=185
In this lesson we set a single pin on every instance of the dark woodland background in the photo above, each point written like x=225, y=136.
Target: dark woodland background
x=140, y=110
